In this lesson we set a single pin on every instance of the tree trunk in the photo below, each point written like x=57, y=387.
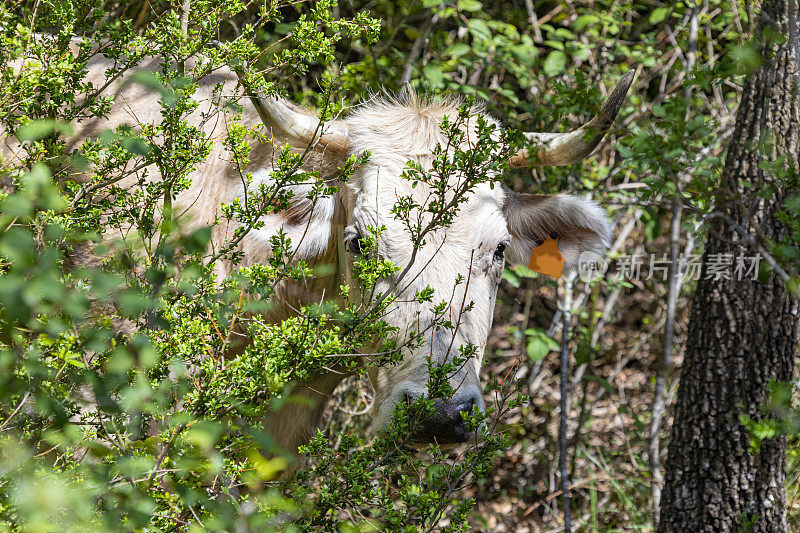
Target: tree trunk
x=742, y=333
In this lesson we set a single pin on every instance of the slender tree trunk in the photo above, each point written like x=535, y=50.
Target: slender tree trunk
x=742, y=333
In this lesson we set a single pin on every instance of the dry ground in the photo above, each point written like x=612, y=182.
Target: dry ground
x=611, y=397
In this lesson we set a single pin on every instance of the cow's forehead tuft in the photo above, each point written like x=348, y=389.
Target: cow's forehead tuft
x=405, y=128
x=394, y=131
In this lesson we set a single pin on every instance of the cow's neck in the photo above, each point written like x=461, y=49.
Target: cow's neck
x=295, y=422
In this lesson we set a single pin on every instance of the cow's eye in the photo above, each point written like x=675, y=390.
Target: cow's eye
x=352, y=240
x=500, y=252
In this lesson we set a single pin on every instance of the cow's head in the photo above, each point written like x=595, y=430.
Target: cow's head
x=493, y=226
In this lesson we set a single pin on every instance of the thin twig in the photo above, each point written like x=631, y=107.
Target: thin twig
x=562, y=429
x=12, y=415
x=537, y=33
x=659, y=400
x=675, y=277
x=416, y=48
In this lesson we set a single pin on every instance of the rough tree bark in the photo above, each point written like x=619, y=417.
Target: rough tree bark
x=741, y=333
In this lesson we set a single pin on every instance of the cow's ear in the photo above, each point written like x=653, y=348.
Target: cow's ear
x=311, y=224
x=581, y=225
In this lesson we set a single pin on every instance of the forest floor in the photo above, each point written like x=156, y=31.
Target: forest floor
x=608, y=456
x=612, y=396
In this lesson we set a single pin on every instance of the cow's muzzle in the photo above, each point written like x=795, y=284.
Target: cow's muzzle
x=448, y=424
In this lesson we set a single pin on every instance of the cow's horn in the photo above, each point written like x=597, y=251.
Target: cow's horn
x=303, y=129
x=558, y=149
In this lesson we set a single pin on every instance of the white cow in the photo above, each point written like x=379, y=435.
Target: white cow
x=493, y=225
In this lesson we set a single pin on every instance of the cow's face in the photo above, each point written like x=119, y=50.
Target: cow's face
x=462, y=262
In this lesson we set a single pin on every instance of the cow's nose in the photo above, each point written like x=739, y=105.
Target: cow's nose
x=447, y=425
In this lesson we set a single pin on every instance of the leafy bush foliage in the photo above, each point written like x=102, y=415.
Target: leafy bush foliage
x=121, y=404
x=121, y=377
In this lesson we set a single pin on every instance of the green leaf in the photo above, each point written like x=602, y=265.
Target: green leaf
x=198, y=240
x=134, y=303
x=793, y=286
x=511, y=277
x=537, y=349
x=37, y=129
x=149, y=79
x=479, y=30
x=558, y=45
x=659, y=14
x=539, y=344
x=793, y=204
x=99, y=450
x=583, y=354
x=457, y=50
x=284, y=29
x=469, y=5
x=135, y=145
x=411, y=33
x=434, y=74
x=16, y=206
x=584, y=21
x=565, y=34
x=748, y=57
x=555, y=63
x=787, y=252
x=525, y=54
x=524, y=272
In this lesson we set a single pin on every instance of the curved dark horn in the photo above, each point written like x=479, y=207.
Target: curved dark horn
x=558, y=149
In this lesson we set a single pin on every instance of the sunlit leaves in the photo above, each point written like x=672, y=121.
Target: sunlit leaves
x=101, y=344
x=539, y=344
x=33, y=131
x=555, y=63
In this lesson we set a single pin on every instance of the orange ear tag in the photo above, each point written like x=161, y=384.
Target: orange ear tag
x=546, y=259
